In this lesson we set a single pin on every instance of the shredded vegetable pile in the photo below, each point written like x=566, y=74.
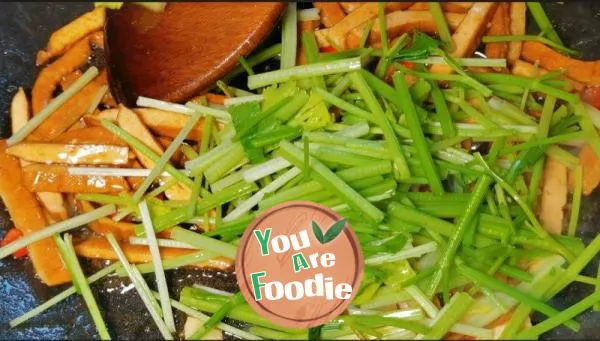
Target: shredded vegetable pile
x=456, y=172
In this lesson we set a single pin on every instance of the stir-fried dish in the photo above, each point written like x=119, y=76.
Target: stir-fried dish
x=457, y=145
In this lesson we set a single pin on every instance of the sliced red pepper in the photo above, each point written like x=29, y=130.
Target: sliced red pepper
x=328, y=49
x=591, y=95
x=12, y=235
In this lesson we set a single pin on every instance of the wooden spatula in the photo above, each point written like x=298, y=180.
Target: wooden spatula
x=176, y=54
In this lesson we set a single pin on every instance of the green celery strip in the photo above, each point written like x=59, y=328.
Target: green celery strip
x=202, y=242
x=289, y=27
x=401, y=166
x=478, y=196
x=172, y=263
x=142, y=288
x=56, y=103
x=384, y=61
x=199, y=300
x=576, y=202
x=442, y=26
x=218, y=315
x=244, y=63
x=492, y=283
x=382, y=28
x=449, y=316
x=415, y=216
x=445, y=118
x=575, y=267
x=227, y=162
x=381, y=321
x=257, y=58
x=558, y=47
x=588, y=126
x=340, y=103
x=522, y=312
x=142, y=148
x=560, y=318
x=416, y=132
x=535, y=224
x=166, y=157
x=57, y=228
x=62, y=296
x=540, y=17
x=365, y=33
x=80, y=283
x=303, y=72
x=331, y=181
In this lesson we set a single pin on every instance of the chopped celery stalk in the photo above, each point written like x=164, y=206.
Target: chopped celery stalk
x=218, y=315
x=418, y=295
x=576, y=202
x=449, y=315
x=477, y=197
x=247, y=205
x=468, y=62
x=62, y=296
x=255, y=59
x=416, y=132
x=161, y=242
x=329, y=180
x=221, y=115
x=267, y=168
x=303, y=72
x=289, y=37
x=340, y=103
x=145, y=150
x=380, y=321
x=230, y=102
x=166, y=157
x=401, y=171
x=560, y=318
x=204, y=243
x=159, y=272
x=141, y=287
x=198, y=165
x=558, y=47
x=540, y=17
x=172, y=263
x=162, y=105
x=120, y=172
x=490, y=282
x=56, y=103
x=80, y=283
x=442, y=26
x=57, y=228
x=414, y=252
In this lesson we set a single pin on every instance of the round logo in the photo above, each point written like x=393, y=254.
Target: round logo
x=299, y=264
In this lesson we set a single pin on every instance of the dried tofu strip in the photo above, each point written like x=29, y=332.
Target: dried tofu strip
x=72, y=154
x=500, y=26
x=554, y=196
x=350, y=7
x=94, y=119
x=525, y=69
x=330, y=12
x=337, y=34
x=450, y=7
x=28, y=217
x=130, y=122
x=19, y=113
x=587, y=72
x=66, y=36
x=591, y=169
x=89, y=135
x=99, y=248
x=396, y=24
x=468, y=34
x=53, y=178
x=121, y=230
x=51, y=76
x=167, y=123
x=70, y=112
x=518, y=22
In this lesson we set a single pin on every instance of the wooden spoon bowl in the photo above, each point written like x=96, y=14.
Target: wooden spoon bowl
x=178, y=53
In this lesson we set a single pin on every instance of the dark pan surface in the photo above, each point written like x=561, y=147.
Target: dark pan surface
x=25, y=28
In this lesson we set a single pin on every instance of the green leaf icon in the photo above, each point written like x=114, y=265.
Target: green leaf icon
x=317, y=232
x=334, y=230
x=332, y=233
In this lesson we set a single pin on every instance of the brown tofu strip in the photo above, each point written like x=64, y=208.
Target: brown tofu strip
x=28, y=217
x=53, y=178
